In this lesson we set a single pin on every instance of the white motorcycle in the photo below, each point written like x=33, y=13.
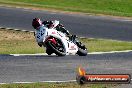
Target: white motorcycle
x=58, y=43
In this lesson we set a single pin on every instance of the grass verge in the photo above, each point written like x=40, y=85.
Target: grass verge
x=14, y=42
x=108, y=7
x=57, y=85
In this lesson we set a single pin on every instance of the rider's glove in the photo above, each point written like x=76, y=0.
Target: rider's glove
x=45, y=22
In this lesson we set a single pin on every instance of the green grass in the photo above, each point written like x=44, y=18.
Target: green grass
x=19, y=46
x=16, y=42
x=108, y=7
x=56, y=85
x=13, y=42
x=98, y=45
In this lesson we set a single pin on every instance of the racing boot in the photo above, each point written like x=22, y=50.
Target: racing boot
x=80, y=45
x=62, y=29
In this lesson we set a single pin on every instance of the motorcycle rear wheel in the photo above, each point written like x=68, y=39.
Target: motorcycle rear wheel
x=82, y=50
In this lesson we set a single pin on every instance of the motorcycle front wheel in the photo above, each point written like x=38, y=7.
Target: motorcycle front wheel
x=57, y=49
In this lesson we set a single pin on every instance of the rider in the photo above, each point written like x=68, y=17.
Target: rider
x=36, y=23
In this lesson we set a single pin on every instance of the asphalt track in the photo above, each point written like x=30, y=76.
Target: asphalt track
x=81, y=25
x=52, y=68
x=41, y=68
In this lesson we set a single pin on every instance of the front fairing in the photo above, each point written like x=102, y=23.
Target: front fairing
x=70, y=47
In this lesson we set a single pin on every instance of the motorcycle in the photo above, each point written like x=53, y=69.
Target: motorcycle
x=58, y=43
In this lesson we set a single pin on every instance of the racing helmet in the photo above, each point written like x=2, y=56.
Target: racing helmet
x=36, y=23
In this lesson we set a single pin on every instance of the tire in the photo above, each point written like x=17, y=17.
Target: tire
x=57, y=52
x=48, y=51
x=82, y=52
